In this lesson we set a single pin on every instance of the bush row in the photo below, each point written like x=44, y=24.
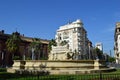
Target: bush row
x=3, y=70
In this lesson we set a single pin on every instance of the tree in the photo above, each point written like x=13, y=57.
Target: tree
x=111, y=59
x=35, y=47
x=13, y=43
x=51, y=43
x=98, y=53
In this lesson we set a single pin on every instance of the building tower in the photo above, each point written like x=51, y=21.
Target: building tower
x=117, y=42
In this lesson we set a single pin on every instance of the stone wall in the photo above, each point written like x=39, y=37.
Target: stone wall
x=58, y=65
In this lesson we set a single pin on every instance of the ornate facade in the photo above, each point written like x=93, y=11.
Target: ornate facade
x=75, y=36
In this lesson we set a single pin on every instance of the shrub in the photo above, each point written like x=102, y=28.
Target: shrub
x=16, y=58
x=28, y=58
x=3, y=70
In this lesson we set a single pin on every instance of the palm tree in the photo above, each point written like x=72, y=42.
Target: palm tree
x=35, y=47
x=12, y=44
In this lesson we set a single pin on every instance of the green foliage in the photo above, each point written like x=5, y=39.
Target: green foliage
x=98, y=53
x=51, y=43
x=9, y=76
x=13, y=42
x=96, y=76
x=3, y=70
x=36, y=45
x=16, y=58
x=111, y=59
x=28, y=58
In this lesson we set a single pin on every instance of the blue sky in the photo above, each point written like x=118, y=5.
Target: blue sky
x=41, y=18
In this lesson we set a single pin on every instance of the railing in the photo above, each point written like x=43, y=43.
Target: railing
x=34, y=75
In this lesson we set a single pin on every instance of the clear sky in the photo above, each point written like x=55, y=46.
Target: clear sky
x=41, y=18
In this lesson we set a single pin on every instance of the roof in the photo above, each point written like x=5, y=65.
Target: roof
x=77, y=23
x=27, y=39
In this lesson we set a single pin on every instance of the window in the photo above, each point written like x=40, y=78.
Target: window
x=74, y=30
x=65, y=34
x=78, y=34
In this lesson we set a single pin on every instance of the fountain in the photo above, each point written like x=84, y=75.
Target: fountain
x=59, y=63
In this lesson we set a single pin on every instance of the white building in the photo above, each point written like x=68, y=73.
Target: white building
x=99, y=46
x=76, y=37
x=117, y=42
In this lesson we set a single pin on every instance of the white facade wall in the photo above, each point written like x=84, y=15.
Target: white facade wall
x=99, y=46
x=76, y=36
x=117, y=43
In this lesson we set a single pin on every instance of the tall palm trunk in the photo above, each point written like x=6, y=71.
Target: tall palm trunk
x=33, y=54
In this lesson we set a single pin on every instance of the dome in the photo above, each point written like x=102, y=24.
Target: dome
x=78, y=21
